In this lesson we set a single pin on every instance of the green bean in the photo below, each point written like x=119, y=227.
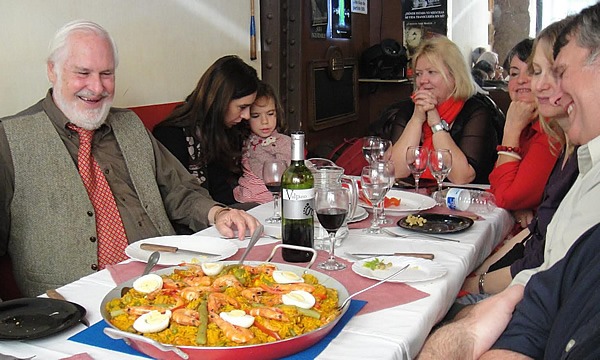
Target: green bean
x=309, y=312
x=203, y=316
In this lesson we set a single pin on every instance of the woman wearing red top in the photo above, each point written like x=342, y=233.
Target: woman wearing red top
x=445, y=113
x=524, y=157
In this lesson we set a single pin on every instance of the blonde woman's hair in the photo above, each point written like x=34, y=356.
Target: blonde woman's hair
x=446, y=57
x=556, y=135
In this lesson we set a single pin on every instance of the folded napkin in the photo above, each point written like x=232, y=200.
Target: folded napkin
x=95, y=336
x=127, y=271
x=381, y=297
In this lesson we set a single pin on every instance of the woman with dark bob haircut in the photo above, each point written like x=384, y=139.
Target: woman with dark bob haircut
x=206, y=132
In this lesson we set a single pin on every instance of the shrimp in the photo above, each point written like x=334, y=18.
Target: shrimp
x=286, y=288
x=141, y=310
x=260, y=269
x=234, y=333
x=197, y=280
x=172, y=284
x=195, y=268
x=186, y=317
x=227, y=281
x=252, y=294
x=269, y=313
x=192, y=293
x=216, y=300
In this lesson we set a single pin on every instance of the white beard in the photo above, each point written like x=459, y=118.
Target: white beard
x=90, y=119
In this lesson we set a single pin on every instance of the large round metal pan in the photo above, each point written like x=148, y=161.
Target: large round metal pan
x=271, y=350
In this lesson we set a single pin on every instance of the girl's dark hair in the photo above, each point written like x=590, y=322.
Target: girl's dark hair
x=266, y=91
x=522, y=50
x=203, y=112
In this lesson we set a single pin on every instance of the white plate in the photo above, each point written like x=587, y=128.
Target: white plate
x=224, y=247
x=409, y=202
x=359, y=214
x=419, y=269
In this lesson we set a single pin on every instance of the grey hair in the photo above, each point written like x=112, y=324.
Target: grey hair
x=584, y=30
x=59, y=42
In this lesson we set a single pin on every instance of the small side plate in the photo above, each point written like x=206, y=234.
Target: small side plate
x=438, y=224
x=33, y=318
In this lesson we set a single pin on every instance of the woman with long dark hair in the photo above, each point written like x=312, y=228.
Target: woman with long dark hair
x=206, y=132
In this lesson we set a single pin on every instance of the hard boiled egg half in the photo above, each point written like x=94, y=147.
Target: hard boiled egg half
x=299, y=298
x=238, y=317
x=286, y=277
x=152, y=322
x=148, y=283
x=211, y=269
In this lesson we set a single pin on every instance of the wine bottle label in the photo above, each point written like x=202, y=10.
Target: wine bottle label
x=298, y=203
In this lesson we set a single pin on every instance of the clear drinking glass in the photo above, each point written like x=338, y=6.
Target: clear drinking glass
x=416, y=160
x=390, y=172
x=380, y=148
x=440, y=164
x=370, y=144
x=331, y=205
x=272, y=172
x=375, y=184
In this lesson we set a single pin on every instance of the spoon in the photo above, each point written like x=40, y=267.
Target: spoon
x=152, y=260
x=372, y=286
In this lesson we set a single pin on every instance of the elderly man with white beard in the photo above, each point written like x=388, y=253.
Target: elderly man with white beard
x=80, y=180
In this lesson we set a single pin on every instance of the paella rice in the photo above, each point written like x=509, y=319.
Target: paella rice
x=189, y=293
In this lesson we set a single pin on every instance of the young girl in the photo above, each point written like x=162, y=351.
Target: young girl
x=264, y=143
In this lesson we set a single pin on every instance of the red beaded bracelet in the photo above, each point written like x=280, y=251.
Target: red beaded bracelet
x=515, y=149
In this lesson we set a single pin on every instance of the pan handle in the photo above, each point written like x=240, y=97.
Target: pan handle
x=127, y=337
x=295, y=247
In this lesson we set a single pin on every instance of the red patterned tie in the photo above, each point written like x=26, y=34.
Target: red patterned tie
x=112, y=239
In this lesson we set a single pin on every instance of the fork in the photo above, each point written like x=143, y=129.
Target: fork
x=372, y=286
x=429, y=237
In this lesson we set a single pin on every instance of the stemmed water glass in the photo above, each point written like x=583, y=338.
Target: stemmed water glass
x=272, y=173
x=369, y=146
x=440, y=164
x=416, y=160
x=380, y=149
x=375, y=184
x=332, y=204
x=390, y=173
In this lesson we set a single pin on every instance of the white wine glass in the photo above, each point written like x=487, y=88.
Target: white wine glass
x=369, y=146
x=440, y=164
x=416, y=160
x=390, y=173
x=331, y=205
x=375, y=184
x=380, y=148
x=272, y=172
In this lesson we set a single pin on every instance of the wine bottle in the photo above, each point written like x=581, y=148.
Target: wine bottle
x=298, y=200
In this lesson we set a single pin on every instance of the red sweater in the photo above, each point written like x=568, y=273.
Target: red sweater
x=519, y=185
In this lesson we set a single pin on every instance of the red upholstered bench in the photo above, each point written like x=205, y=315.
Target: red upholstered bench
x=153, y=114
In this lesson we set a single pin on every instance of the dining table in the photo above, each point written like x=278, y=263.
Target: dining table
x=393, y=323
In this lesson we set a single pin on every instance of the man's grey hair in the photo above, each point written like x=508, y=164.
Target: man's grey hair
x=59, y=42
x=584, y=29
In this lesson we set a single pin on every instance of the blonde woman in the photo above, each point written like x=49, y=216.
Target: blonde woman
x=498, y=270
x=444, y=113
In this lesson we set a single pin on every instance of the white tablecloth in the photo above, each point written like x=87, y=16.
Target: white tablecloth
x=394, y=333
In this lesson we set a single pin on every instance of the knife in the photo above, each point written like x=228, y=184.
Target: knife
x=416, y=255
x=174, y=249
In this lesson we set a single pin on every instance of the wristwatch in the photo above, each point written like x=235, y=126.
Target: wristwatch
x=442, y=125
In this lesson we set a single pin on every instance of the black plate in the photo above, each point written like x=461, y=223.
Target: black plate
x=439, y=224
x=32, y=318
